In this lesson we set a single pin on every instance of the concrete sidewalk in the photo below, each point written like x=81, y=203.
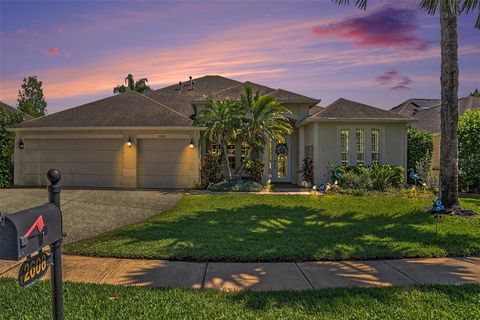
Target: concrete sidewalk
x=264, y=276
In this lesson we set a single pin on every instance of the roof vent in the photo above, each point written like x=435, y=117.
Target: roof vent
x=179, y=86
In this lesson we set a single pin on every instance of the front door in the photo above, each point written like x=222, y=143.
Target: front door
x=281, y=161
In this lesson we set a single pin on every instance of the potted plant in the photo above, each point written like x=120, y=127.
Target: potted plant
x=307, y=169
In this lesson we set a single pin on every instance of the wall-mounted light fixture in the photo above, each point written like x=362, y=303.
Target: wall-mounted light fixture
x=20, y=144
x=191, y=145
x=129, y=142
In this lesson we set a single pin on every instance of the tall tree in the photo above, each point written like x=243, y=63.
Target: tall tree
x=31, y=99
x=263, y=119
x=449, y=9
x=475, y=93
x=221, y=118
x=132, y=85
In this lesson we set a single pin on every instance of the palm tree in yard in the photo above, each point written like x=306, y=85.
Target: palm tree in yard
x=263, y=119
x=221, y=118
x=449, y=10
x=132, y=85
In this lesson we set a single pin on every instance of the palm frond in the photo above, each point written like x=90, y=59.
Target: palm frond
x=361, y=4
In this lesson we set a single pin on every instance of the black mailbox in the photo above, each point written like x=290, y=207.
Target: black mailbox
x=28, y=231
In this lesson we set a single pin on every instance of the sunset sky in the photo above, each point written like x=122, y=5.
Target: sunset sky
x=81, y=50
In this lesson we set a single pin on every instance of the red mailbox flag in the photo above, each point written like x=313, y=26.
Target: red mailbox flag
x=39, y=224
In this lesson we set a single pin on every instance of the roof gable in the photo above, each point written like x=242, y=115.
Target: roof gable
x=128, y=109
x=347, y=109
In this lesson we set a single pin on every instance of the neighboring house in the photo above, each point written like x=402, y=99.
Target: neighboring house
x=427, y=112
x=132, y=140
x=26, y=117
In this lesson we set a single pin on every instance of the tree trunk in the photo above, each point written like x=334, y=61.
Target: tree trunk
x=449, y=109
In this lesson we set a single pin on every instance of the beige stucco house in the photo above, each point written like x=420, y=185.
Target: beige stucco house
x=132, y=140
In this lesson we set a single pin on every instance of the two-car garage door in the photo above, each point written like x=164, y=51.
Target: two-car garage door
x=82, y=162
x=99, y=162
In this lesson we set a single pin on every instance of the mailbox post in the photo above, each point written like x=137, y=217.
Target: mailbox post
x=29, y=231
x=53, y=177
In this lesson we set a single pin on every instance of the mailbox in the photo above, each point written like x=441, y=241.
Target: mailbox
x=28, y=231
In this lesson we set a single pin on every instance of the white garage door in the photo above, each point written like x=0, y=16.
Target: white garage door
x=82, y=162
x=165, y=163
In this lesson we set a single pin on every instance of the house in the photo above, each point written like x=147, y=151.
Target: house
x=132, y=140
x=427, y=112
x=5, y=106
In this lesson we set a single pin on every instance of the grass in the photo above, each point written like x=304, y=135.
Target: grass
x=117, y=302
x=291, y=228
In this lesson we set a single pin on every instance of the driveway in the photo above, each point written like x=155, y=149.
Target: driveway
x=87, y=213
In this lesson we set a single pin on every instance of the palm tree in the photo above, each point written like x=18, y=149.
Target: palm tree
x=263, y=119
x=221, y=118
x=449, y=9
x=139, y=86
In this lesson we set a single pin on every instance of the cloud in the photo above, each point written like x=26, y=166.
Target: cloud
x=52, y=51
x=387, y=27
x=395, y=79
x=29, y=32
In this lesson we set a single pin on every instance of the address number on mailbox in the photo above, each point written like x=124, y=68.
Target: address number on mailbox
x=33, y=269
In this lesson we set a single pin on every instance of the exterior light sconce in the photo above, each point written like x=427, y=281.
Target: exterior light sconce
x=21, y=145
x=129, y=142
x=191, y=145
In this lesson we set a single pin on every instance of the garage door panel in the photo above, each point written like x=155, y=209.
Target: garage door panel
x=30, y=156
x=165, y=163
x=164, y=144
x=93, y=180
x=80, y=156
x=31, y=168
x=74, y=144
x=164, y=181
x=166, y=169
x=162, y=157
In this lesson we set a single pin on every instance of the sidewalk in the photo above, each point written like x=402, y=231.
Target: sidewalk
x=264, y=276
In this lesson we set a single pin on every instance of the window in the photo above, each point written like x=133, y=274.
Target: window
x=360, y=146
x=344, y=147
x=216, y=149
x=375, y=146
x=231, y=156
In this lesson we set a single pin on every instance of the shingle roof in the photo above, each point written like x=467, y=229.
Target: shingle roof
x=181, y=101
x=12, y=109
x=429, y=119
x=314, y=110
x=411, y=106
x=347, y=109
x=130, y=109
x=234, y=93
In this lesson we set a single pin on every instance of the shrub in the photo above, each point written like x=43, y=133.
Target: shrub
x=352, y=180
x=386, y=176
x=7, y=141
x=211, y=171
x=237, y=186
x=254, y=169
x=419, y=146
x=469, y=150
x=377, y=177
x=307, y=169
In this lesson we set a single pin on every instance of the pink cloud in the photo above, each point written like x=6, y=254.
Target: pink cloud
x=394, y=79
x=388, y=27
x=29, y=32
x=52, y=51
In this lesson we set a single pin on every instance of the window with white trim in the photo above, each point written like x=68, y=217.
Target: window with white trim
x=344, y=147
x=360, y=146
x=375, y=146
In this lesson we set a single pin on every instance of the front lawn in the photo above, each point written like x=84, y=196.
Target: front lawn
x=87, y=301
x=291, y=228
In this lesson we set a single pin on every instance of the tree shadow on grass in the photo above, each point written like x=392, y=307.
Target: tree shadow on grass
x=286, y=233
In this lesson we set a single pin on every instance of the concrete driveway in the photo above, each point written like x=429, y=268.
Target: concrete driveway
x=87, y=213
